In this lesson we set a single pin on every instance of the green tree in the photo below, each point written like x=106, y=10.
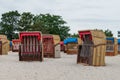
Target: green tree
x=26, y=21
x=49, y=24
x=52, y=24
x=108, y=33
x=9, y=23
x=38, y=25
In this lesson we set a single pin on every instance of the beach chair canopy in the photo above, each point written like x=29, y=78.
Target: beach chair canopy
x=82, y=33
x=61, y=43
x=70, y=40
x=110, y=39
x=118, y=41
x=16, y=40
x=23, y=34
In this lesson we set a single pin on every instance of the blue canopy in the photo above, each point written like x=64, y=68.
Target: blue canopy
x=118, y=41
x=70, y=40
x=111, y=38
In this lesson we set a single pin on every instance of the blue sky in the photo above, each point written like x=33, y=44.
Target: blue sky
x=79, y=14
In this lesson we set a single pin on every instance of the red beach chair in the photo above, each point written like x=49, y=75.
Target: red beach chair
x=31, y=46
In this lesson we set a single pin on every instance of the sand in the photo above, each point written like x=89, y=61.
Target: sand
x=64, y=68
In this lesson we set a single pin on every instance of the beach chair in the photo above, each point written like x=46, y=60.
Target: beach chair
x=30, y=48
x=51, y=46
x=71, y=45
x=118, y=46
x=4, y=45
x=62, y=47
x=111, y=46
x=15, y=45
x=92, y=50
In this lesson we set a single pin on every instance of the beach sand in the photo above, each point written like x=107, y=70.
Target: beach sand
x=64, y=68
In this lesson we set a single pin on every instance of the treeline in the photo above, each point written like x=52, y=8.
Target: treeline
x=13, y=22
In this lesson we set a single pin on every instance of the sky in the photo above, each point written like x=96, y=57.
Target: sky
x=79, y=14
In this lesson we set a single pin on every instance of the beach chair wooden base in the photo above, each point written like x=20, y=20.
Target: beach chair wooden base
x=28, y=58
x=48, y=55
x=110, y=54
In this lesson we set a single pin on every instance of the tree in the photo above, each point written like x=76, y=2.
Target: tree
x=75, y=35
x=9, y=23
x=108, y=33
x=52, y=24
x=38, y=25
x=26, y=21
x=12, y=22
